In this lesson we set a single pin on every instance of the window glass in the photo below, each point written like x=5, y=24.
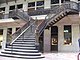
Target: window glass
x=39, y=3
x=67, y=35
x=31, y=4
x=2, y=9
x=19, y=6
x=12, y=7
x=54, y=1
x=64, y=1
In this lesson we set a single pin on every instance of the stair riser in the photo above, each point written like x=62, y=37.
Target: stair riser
x=23, y=45
x=23, y=51
x=22, y=54
x=22, y=57
x=22, y=48
x=24, y=41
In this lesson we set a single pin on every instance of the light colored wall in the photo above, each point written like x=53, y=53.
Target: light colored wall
x=75, y=35
x=47, y=4
x=74, y=0
x=47, y=40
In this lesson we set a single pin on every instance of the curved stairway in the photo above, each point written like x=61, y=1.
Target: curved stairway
x=24, y=40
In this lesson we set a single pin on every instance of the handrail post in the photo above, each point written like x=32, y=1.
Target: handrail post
x=37, y=39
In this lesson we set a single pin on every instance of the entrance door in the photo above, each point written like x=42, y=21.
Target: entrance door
x=54, y=38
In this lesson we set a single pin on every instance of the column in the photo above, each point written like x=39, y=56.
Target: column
x=35, y=5
x=13, y=30
x=47, y=4
x=25, y=6
x=47, y=40
x=6, y=11
x=60, y=38
x=4, y=38
x=59, y=2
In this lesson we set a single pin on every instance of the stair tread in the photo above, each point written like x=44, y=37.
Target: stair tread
x=13, y=52
x=20, y=56
x=19, y=49
x=24, y=42
x=25, y=45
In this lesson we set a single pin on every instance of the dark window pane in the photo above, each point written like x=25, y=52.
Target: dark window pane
x=64, y=1
x=31, y=9
x=67, y=35
x=39, y=3
x=12, y=7
x=2, y=9
x=31, y=4
x=54, y=1
x=39, y=8
x=19, y=6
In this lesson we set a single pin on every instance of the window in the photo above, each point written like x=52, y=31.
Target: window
x=2, y=9
x=31, y=9
x=39, y=3
x=67, y=35
x=12, y=7
x=17, y=28
x=20, y=6
x=31, y=4
x=64, y=1
x=54, y=1
x=39, y=8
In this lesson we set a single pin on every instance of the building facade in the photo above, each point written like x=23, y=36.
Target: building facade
x=61, y=37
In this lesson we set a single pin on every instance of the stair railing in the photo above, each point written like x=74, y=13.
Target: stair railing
x=20, y=14
x=67, y=6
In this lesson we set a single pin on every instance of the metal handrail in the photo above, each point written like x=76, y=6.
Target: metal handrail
x=51, y=16
x=30, y=26
x=57, y=10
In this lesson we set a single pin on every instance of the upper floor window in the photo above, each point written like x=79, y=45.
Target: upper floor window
x=67, y=35
x=54, y=1
x=19, y=6
x=2, y=9
x=12, y=7
x=39, y=3
x=31, y=4
x=64, y=1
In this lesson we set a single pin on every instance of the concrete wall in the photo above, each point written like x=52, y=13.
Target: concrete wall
x=75, y=36
x=47, y=40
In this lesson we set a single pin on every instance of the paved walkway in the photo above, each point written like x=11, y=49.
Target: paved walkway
x=49, y=56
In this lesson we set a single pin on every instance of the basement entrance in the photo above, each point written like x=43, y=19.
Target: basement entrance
x=54, y=38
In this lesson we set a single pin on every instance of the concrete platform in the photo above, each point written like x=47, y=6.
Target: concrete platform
x=49, y=56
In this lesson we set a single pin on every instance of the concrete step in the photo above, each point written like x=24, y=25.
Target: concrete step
x=20, y=56
x=23, y=42
x=21, y=53
x=19, y=47
x=26, y=39
x=22, y=45
x=21, y=50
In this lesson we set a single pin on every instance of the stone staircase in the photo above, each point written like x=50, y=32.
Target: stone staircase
x=24, y=42
x=22, y=48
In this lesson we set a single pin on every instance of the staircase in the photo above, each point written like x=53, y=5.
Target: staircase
x=25, y=40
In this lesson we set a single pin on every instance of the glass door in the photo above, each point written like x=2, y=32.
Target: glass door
x=54, y=38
